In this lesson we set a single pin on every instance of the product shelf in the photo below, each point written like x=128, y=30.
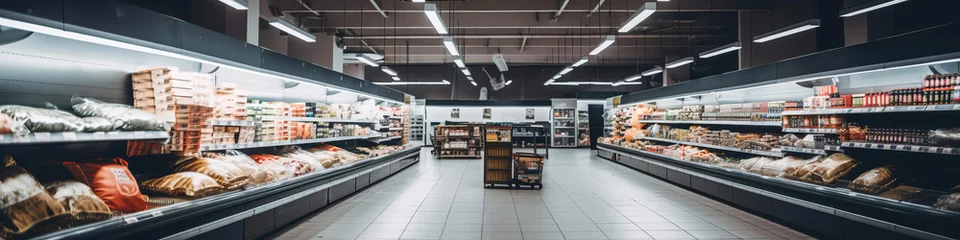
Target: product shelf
x=865, y=110
x=810, y=150
x=903, y=148
x=307, y=119
x=280, y=143
x=78, y=137
x=730, y=123
x=724, y=148
x=811, y=130
x=232, y=123
x=385, y=139
x=289, y=190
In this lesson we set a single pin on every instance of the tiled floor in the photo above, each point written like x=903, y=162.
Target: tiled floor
x=584, y=197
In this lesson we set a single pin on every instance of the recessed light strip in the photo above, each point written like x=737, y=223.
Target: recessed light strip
x=652, y=71
x=787, y=31
x=433, y=15
x=295, y=31
x=607, y=41
x=642, y=13
x=867, y=7
x=720, y=50
x=236, y=4
x=681, y=62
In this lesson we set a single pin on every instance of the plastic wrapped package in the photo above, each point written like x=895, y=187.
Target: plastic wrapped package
x=111, y=181
x=296, y=153
x=43, y=120
x=80, y=201
x=945, y=137
x=9, y=126
x=746, y=164
x=790, y=170
x=99, y=124
x=26, y=205
x=133, y=119
x=282, y=171
x=228, y=175
x=803, y=172
x=300, y=167
x=949, y=202
x=191, y=184
x=874, y=181
x=833, y=167
x=776, y=168
x=258, y=173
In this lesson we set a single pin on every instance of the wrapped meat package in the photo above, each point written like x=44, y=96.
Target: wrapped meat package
x=227, y=175
x=758, y=166
x=874, y=181
x=9, y=126
x=790, y=170
x=133, y=119
x=746, y=164
x=282, y=171
x=803, y=172
x=111, y=181
x=99, y=124
x=80, y=201
x=43, y=120
x=777, y=168
x=948, y=202
x=258, y=173
x=833, y=167
x=945, y=137
x=26, y=205
x=296, y=153
x=191, y=184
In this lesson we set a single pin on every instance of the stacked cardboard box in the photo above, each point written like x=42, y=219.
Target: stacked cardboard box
x=241, y=104
x=225, y=101
x=277, y=128
x=181, y=98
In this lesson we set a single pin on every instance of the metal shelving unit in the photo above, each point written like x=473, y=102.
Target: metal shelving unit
x=78, y=137
x=718, y=147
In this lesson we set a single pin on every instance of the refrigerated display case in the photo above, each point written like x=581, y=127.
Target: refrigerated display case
x=859, y=152
x=564, y=127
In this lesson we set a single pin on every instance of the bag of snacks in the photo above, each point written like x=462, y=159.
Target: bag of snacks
x=79, y=200
x=833, y=167
x=99, y=124
x=191, y=184
x=133, y=119
x=874, y=181
x=228, y=175
x=43, y=120
x=25, y=204
x=111, y=181
x=9, y=126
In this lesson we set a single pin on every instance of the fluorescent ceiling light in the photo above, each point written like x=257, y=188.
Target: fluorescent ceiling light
x=418, y=1
x=633, y=78
x=459, y=62
x=787, y=31
x=868, y=6
x=582, y=83
x=555, y=77
x=720, y=50
x=566, y=70
x=433, y=15
x=681, y=62
x=395, y=78
x=549, y=82
x=295, y=31
x=618, y=83
x=509, y=82
x=603, y=45
x=236, y=4
x=474, y=83
x=444, y=82
x=582, y=61
x=448, y=42
x=500, y=62
x=138, y=48
x=470, y=78
x=642, y=13
x=388, y=71
x=465, y=71
x=663, y=0
x=366, y=60
x=652, y=71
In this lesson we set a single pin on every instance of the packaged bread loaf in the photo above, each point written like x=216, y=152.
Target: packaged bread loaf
x=25, y=204
x=111, y=181
x=191, y=184
x=228, y=175
x=833, y=167
x=80, y=201
x=874, y=181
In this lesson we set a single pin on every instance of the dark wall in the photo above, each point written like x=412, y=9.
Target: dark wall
x=909, y=16
x=527, y=81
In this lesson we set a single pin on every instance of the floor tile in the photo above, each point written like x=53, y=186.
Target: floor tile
x=632, y=234
x=424, y=227
x=618, y=227
x=501, y=227
x=540, y=228
x=710, y=234
x=669, y=234
x=454, y=235
x=421, y=235
x=584, y=235
x=753, y=234
x=542, y=235
x=502, y=235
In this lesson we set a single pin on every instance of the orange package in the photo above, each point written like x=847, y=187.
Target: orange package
x=111, y=181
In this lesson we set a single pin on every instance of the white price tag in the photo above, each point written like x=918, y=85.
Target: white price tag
x=130, y=220
x=917, y=108
x=2, y=137
x=42, y=136
x=69, y=136
x=156, y=214
x=956, y=107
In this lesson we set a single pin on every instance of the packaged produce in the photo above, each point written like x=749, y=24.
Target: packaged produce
x=228, y=175
x=133, y=119
x=79, y=200
x=833, y=167
x=874, y=181
x=43, y=120
x=9, y=126
x=111, y=181
x=26, y=205
x=191, y=184
x=99, y=124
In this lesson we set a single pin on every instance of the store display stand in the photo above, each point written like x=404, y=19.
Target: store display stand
x=528, y=170
x=458, y=141
x=497, y=161
x=564, y=122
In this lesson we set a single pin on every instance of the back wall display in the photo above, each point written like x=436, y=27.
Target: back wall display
x=475, y=114
x=455, y=113
x=487, y=114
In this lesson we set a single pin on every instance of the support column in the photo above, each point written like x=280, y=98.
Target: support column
x=253, y=22
x=745, y=36
x=355, y=70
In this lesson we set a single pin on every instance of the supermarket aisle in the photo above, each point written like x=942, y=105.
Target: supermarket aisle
x=584, y=197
